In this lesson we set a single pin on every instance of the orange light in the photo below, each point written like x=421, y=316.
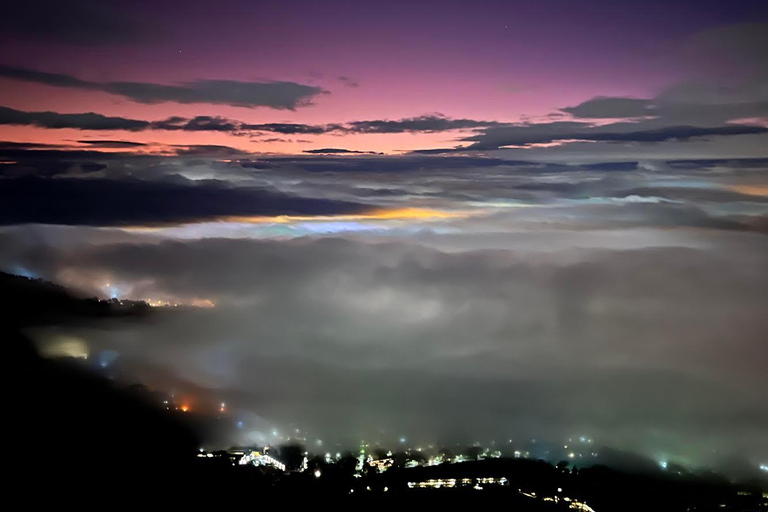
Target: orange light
x=184, y=408
x=377, y=214
x=752, y=190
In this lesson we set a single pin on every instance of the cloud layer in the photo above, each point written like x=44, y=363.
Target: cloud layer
x=277, y=95
x=419, y=342
x=133, y=202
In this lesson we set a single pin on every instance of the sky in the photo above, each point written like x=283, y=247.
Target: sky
x=428, y=219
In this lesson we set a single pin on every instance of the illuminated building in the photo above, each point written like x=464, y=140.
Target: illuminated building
x=381, y=464
x=258, y=459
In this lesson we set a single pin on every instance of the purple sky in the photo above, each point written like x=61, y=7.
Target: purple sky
x=492, y=61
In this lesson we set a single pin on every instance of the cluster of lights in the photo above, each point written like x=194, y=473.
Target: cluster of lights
x=439, y=483
x=200, y=303
x=572, y=503
x=160, y=304
x=197, y=303
x=330, y=459
x=186, y=407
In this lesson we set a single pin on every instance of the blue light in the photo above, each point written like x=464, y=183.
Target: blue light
x=107, y=357
x=22, y=271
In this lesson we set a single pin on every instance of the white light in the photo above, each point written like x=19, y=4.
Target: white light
x=317, y=473
x=663, y=464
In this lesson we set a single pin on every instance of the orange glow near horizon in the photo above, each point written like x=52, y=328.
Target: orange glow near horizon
x=408, y=213
x=752, y=190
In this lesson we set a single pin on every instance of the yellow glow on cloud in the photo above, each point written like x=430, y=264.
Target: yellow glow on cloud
x=378, y=214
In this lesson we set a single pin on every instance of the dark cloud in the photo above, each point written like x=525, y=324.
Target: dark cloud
x=383, y=164
x=293, y=128
x=119, y=144
x=420, y=124
x=338, y=151
x=277, y=95
x=37, y=158
x=424, y=124
x=102, y=202
x=98, y=122
x=612, y=107
x=682, y=104
x=209, y=150
x=349, y=82
x=678, y=116
x=522, y=135
x=93, y=121
x=278, y=139
x=732, y=163
x=84, y=121
x=197, y=124
x=49, y=160
x=12, y=146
